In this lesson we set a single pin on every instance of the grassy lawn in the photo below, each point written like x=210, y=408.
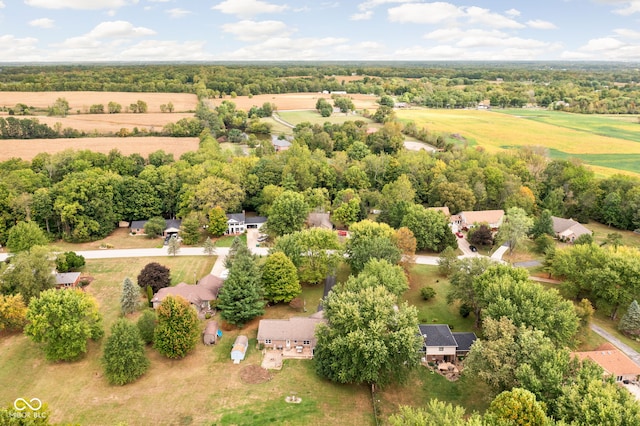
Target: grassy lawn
x=314, y=117
x=119, y=239
x=598, y=139
x=425, y=385
x=602, y=319
x=277, y=128
x=203, y=388
x=600, y=231
x=228, y=240
x=436, y=310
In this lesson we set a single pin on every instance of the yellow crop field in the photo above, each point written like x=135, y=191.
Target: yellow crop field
x=496, y=131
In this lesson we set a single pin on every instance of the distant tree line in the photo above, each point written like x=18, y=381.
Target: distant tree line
x=582, y=88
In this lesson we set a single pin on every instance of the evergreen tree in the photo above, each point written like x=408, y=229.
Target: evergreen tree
x=208, y=247
x=130, y=296
x=235, y=245
x=630, y=322
x=173, y=247
x=241, y=298
x=177, y=331
x=124, y=359
x=147, y=325
x=543, y=225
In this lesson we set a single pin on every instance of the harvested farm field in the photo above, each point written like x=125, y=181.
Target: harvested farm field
x=82, y=101
x=104, y=123
x=289, y=101
x=29, y=148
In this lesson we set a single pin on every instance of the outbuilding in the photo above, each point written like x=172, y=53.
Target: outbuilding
x=239, y=349
x=210, y=333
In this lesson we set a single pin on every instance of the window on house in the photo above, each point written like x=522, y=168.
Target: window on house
x=441, y=348
x=306, y=342
x=267, y=341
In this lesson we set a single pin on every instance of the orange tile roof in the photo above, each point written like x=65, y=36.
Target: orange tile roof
x=612, y=361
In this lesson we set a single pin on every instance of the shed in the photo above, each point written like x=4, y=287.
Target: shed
x=210, y=333
x=239, y=349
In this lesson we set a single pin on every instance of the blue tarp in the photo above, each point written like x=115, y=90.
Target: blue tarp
x=219, y=333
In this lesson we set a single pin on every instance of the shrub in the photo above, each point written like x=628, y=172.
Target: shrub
x=465, y=310
x=427, y=293
x=147, y=325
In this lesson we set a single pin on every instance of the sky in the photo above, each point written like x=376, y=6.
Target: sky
x=292, y=30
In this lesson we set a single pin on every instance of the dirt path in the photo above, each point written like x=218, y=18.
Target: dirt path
x=631, y=353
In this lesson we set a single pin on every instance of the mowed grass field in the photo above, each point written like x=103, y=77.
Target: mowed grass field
x=608, y=144
x=203, y=388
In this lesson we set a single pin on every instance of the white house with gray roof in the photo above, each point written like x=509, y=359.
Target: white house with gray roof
x=440, y=344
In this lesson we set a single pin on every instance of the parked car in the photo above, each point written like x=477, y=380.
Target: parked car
x=459, y=235
x=473, y=248
x=262, y=238
x=342, y=233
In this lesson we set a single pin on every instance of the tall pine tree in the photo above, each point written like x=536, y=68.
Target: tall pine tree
x=130, y=296
x=630, y=322
x=242, y=297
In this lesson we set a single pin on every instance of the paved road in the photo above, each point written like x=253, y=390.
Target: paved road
x=634, y=355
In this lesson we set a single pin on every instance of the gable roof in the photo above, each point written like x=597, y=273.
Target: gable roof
x=612, y=361
x=437, y=335
x=565, y=227
x=193, y=293
x=173, y=223
x=255, y=219
x=138, y=224
x=464, y=340
x=295, y=328
x=238, y=217
x=488, y=216
x=67, y=277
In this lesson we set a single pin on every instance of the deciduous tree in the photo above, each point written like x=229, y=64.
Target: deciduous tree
x=63, y=321
x=517, y=407
x=280, y=279
x=191, y=230
x=28, y=273
x=370, y=240
x=25, y=235
x=155, y=227
x=177, y=331
x=368, y=338
x=124, y=358
x=515, y=228
x=217, y=222
x=155, y=276
x=13, y=312
x=288, y=213
x=435, y=413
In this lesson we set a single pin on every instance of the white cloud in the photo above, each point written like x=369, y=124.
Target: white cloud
x=512, y=12
x=632, y=34
x=372, y=4
x=474, y=38
x=286, y=48
x=42, y=23
x=625, y=8
x=80, y=4
x=19, y=49
x=1, y=4
x=424, y=13
x=178, y=13
x=118, y=29
x=541, y=25
x=478, y=15
x=602, y=44
x=248, y=8
x=363, y=16
x=255, y=31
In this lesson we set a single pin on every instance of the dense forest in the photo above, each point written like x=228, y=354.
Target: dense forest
x=584, y=88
